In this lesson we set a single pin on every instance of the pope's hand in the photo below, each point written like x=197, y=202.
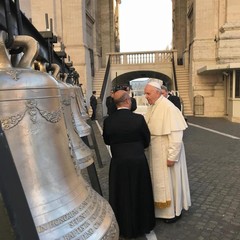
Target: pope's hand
x=170, y=163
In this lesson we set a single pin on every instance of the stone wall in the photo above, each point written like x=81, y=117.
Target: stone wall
x=86, y=28
x=213, y=39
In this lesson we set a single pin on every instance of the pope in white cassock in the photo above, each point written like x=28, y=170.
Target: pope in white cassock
x=167, y=160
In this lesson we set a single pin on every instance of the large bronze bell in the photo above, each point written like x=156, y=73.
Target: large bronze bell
x=81, y=153
x=81, y=103
x=82, y=128
x=62, y=204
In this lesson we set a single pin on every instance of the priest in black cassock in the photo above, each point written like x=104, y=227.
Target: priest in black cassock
x=130, y=187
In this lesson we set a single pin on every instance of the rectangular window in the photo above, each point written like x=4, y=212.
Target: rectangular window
x=92, y=62
x=237, y=86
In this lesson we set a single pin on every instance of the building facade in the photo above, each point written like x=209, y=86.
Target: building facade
x=206, y=35
x=86, y=29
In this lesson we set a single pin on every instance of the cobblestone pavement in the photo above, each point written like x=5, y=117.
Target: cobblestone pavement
x=213, y=161
x=214, y=174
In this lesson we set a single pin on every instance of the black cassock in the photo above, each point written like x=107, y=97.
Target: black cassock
x=130, y=187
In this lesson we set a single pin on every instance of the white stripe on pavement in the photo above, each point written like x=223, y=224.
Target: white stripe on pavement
x=151, y=236
x=214, y=131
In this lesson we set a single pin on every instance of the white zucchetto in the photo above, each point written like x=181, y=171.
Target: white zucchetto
x=155, y=84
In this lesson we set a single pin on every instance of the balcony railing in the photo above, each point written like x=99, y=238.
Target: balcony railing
x=152, y=57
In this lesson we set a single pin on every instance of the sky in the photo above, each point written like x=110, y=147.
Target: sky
x=145, y=25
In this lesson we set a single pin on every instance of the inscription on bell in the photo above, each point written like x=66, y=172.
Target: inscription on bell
x=81, y=218
x=76, y=232
x=66, y=217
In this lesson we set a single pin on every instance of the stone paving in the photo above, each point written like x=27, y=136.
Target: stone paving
x=214, y=175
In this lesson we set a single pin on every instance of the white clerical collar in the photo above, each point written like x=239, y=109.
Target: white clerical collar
x=122, y=108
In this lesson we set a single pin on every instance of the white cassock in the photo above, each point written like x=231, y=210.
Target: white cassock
x=170, y=184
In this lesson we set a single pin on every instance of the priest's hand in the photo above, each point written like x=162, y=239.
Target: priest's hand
x=170, y=163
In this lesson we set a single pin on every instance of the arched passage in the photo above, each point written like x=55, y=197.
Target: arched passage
x=125, y=78
x=137, y=89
